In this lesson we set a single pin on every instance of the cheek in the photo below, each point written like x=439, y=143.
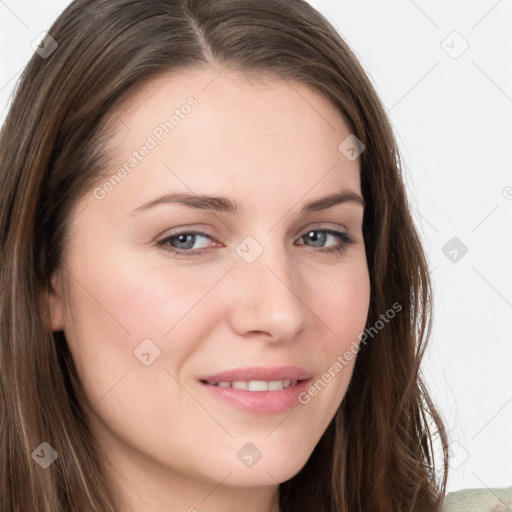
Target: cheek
x=343, y=308
x=342, y=304
x=119, y=303
x=125, y=305
x=131, y=297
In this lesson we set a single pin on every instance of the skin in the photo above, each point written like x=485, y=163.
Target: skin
x=272, y=146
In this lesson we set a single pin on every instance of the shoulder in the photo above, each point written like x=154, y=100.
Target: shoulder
x=479, y=500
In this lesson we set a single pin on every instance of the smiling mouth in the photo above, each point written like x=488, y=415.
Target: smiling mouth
x=260, y=395
x=255, y=385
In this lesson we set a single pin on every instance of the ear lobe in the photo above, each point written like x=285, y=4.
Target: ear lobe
x=54, y=305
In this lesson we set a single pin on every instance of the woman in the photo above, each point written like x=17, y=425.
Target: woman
x=213, y=293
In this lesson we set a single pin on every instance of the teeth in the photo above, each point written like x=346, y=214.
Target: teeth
x=256, y=385
x=276, y=385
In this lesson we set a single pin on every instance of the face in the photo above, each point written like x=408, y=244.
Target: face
x=262, y=290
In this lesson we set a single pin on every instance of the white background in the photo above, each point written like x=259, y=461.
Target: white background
x=452, y=117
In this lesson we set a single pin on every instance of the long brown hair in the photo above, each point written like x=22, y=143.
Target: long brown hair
x=379, y=453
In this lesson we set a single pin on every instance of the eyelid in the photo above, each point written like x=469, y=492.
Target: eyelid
x=323, y=226
x=186, y=230
x=200, y=231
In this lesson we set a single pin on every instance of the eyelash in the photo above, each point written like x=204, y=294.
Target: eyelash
x=344, y=237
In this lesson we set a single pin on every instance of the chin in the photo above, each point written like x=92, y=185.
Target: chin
x=268, y=464
x=271, y=474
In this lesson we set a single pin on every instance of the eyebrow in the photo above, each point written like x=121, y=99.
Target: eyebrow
x=227, y=205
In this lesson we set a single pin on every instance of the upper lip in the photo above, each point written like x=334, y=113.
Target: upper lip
x=268, y=373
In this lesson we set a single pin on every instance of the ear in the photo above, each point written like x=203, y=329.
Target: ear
x=54, y=304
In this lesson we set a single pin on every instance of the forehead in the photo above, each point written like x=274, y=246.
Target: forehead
x=208, y=131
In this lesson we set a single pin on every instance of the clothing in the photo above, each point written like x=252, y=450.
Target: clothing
x=479, y=500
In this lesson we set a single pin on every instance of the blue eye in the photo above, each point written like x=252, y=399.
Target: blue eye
x=344, y=239
x=185, y=243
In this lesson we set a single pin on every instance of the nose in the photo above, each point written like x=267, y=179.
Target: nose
x=268, y=297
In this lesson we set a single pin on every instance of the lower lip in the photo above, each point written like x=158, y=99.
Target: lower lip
x=259, y=402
